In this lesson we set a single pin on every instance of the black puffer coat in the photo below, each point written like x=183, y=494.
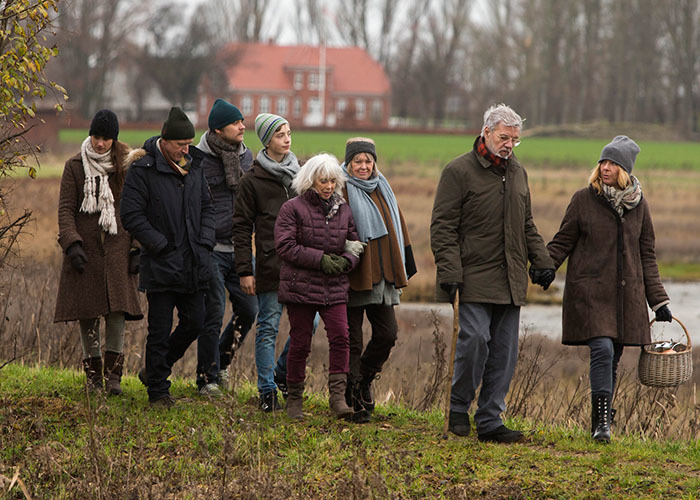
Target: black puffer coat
x=162, y=208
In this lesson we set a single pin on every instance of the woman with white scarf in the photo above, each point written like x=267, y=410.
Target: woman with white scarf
x=384, y=269
x=608, y=236
x=100, y=263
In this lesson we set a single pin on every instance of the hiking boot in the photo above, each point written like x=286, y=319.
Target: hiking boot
x=459, y=423
x=600, y=415
x=223, y=379
x=114, y=364
x=93, y=373
x=210, y=390
x=336, y=395
x=501, y=434
x=269, y=402
x=166, y=401
x=281, y=383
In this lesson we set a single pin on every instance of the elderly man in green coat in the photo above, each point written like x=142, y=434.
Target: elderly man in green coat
x=482, y=235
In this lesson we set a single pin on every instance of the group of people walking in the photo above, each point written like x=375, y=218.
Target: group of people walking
x=185, y=224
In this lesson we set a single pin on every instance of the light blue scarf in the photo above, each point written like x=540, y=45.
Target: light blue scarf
x=368, y=219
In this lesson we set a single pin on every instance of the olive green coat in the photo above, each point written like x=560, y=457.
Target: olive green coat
x=106, y=285
x=612, y=272
x=482, y=233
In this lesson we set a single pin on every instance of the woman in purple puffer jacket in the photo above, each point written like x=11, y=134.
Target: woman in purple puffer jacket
x=316, y=240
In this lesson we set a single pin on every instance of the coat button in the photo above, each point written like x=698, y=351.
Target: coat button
x=503, y=266
x=622, y=219
x=623, y=283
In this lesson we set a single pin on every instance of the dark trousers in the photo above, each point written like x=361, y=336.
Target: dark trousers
x=384, y=331
x=164, y=348
x=605, y=356
x=214, y=353
x=301, y=329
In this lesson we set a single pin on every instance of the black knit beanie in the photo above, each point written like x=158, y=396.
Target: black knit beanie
x=105, y=124
x=177, y=126
x=355, y=147
x=622, y=150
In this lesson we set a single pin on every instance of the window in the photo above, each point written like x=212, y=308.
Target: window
x=297, y=106
x=377, y=109
x=360, y=109
x=340, y=106
x=314, y=81
x=313, y=105
x=282, y=104
x=298, y=81
x=246, y=105
x=264, y=105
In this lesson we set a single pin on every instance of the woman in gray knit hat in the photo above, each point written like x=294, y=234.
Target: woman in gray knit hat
x=608, y=236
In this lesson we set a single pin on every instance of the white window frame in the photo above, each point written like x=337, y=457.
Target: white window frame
x=246, y=105
x=282, y=105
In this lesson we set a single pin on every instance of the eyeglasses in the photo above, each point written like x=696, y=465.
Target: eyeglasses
x=506, y=138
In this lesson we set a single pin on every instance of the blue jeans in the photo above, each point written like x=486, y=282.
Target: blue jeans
x=269, y=314
x=164, y=348
x=214, y=353
x=604, y=358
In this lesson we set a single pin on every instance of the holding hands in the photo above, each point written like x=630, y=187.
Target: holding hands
x=542, y=277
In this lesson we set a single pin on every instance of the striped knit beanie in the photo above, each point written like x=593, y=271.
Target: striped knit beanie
x=266, y=124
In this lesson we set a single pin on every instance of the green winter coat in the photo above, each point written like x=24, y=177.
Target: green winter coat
x=482, y=233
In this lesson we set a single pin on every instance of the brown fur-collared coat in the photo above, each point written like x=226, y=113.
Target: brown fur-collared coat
x=612, y=272
x=106, y=285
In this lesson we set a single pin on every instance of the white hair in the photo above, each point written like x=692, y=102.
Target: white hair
x=324, y=166
x=501, y=113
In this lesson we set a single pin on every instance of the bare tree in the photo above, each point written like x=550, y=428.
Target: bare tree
x=237, y=21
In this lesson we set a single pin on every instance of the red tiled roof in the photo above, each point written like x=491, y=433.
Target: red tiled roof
x=261, y=66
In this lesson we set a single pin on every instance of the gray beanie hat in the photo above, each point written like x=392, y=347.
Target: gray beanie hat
x=623, y=151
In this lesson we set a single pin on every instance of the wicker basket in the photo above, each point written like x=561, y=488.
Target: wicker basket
x=658, y=369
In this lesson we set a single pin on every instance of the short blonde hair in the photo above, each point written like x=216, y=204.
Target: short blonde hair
x=322, y=165
x=623, y=178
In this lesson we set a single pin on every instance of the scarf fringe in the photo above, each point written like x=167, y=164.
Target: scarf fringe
x=98, y=165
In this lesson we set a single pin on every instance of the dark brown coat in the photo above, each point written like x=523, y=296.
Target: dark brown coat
x=482, y=232
x=612, y=272
x=106, y=285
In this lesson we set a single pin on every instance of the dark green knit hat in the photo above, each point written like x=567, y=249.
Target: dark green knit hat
x=222, y=113
x=177, y=126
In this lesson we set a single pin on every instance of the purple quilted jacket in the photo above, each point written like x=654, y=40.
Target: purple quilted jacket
x=302, y=235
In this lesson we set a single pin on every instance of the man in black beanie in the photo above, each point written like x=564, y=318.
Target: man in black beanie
x=167, y=207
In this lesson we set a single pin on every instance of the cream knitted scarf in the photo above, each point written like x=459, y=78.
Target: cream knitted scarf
x=98, y=165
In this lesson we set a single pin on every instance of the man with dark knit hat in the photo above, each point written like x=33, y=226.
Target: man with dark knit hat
x=226, y=158
x=167, y=207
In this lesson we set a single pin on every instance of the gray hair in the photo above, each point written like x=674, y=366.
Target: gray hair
x=501, y=113
x=322, y=165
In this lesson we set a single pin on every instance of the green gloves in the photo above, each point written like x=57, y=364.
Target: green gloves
x=334, y=264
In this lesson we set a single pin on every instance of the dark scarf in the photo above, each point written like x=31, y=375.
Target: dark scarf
x=481, y=148
x=330, y=206
x=229, y=156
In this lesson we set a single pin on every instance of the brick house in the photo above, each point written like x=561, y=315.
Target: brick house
x=289, y=81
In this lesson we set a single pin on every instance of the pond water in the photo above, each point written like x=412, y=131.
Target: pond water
x=546, y=320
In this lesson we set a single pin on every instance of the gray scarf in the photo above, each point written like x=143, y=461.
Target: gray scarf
x=622, y=199
x=230, y=156
x=368, y=220
x=284, y=170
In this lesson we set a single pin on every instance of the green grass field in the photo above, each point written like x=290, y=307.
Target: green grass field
x=432, y=152
x=57, y=446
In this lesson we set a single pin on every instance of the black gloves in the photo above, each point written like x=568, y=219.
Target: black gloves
x=77, y=257
x=134, y=261
x=334, y=264
x=542, y=277
x=451, y=289
x=663, y=313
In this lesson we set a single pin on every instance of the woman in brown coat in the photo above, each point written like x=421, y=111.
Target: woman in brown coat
x=384, y=269
x=608, y=236
x=100, y=265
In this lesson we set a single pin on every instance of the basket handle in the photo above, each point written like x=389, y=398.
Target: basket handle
x=685, y=330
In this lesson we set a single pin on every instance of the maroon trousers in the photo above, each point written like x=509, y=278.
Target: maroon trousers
x=301, y=323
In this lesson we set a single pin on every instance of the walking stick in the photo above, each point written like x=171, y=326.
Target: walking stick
x=448, y=390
